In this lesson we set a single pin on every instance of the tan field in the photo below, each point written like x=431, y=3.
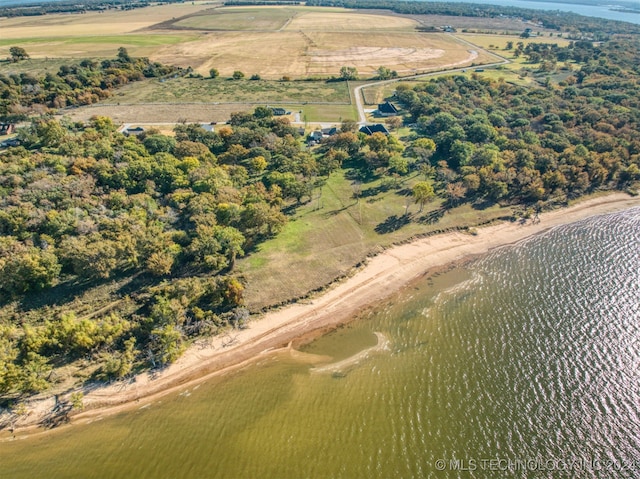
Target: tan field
x=318, y=53
x=111, y=22
x=270, y=41
x=345, y=22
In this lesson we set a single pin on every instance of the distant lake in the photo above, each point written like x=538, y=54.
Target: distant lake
x=600, y=11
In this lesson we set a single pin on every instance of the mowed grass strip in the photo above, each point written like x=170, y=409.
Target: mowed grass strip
x=239, y=19
x=346, y=20
x=334, y=231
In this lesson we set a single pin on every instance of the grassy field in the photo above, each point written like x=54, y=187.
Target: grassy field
x=274, y=18
x=224, y=90
x=205, y=100
x=239, y=19
x=110, y=22
x=499, y=42
x=270, y=41
x=304, y=54
x=99, y=46
x=171, y=113
x=333, y=233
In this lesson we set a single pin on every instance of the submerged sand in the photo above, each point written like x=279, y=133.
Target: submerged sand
x=382, y=276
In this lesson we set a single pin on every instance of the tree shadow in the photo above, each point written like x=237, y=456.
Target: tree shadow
x=432, y=217
x=404, y=192
x=335, y=212
x=482, y=204
x=376, y=190
x=58, y=416
x=392, y=223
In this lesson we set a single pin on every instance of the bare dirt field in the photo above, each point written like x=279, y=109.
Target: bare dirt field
x=308, y=42
x=317, y=53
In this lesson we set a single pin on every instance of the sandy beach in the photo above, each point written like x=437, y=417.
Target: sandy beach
x=382, y=276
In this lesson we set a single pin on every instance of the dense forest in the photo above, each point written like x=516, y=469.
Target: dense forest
x=162, y=218
x=510, y=143
x=82, y=205
x=73, y=85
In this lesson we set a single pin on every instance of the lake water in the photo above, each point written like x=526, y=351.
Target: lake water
x=602, y=11
x=524, y=363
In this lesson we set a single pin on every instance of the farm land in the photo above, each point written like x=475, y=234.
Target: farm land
x=312, y=44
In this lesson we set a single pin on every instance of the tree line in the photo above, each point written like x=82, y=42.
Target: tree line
x=84, y=83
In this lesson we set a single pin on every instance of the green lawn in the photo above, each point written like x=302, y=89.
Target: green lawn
x=330, y=234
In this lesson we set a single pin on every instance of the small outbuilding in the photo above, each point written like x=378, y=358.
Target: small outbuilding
x=136, y=131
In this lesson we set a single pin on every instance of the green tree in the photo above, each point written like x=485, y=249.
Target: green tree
x=18, y=53
x=214, y=73
x=422, y=193
x=167, y=344
x=384, y=73
x=30, y=270
x=77, y=401
x=348, y=73
x=159, y=143
x=123, y=55
x=237, y=75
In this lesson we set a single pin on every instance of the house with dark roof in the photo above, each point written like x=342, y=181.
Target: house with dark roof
x=318, y=135
x=371, y=129
x=326, y=132
x=279, y=111
x=7, y=128
x=315, y=136
x=138, y=130
x=9, y=142
x=387, y=109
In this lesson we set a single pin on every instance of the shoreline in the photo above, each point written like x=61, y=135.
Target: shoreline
x=273, y=333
